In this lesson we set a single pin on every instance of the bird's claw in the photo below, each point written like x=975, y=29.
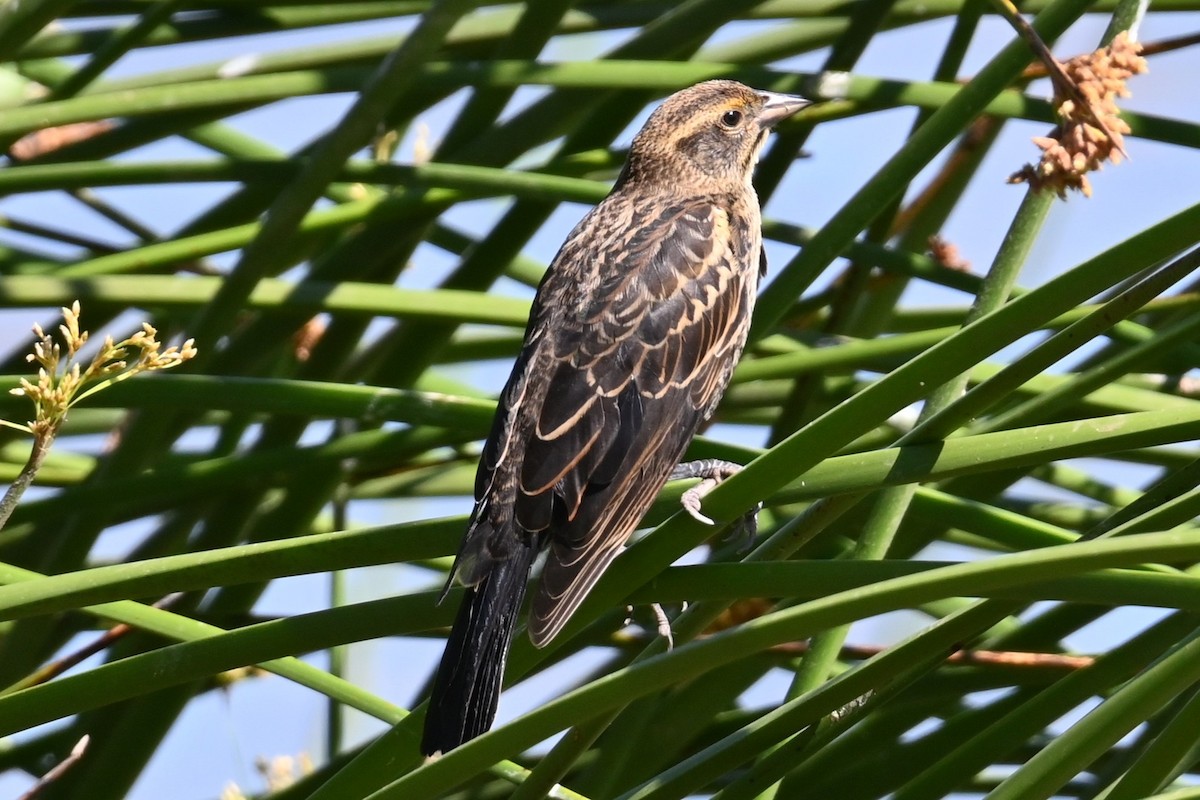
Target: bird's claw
x=747, y=528
x=691, y=500
x=713, y=471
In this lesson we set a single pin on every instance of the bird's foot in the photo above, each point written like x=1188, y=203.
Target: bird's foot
x=662, y=623
x=712, y=471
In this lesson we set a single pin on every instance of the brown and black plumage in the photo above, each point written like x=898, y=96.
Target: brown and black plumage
x=634, y=333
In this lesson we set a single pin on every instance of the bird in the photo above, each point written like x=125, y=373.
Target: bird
x=632, y=338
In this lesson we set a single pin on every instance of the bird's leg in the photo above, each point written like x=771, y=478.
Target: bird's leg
x=662, y=624
x=712, y=471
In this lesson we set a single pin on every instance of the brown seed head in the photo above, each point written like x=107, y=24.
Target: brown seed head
x=708, y=135
x=1077, y=146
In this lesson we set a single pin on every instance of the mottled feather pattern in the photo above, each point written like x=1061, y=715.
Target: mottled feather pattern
x=655, y=339
x=633, y=336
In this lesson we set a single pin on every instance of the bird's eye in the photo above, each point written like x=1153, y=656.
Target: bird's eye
x=731, y=118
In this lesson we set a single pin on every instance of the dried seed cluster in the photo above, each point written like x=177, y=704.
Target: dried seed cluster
x=946, y=254
x=1079, y=145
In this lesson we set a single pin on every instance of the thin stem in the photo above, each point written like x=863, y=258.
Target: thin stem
x=43, y=438
x=338, y=654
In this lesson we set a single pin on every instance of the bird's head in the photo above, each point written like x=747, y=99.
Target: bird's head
x=711, y=132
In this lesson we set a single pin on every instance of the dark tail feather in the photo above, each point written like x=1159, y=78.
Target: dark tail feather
x=466, y=689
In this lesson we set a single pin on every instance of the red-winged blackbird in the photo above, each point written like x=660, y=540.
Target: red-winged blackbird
x=633, y=335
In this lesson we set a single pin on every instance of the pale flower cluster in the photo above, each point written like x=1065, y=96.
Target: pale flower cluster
x=280, y=773
x=62, y=381
x=1090, y=132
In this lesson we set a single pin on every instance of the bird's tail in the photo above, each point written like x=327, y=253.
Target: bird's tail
x=466, y=688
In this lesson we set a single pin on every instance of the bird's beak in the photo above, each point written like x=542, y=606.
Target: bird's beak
x=779, y=107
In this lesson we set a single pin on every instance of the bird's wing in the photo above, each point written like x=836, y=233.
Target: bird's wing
x=637, y=365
